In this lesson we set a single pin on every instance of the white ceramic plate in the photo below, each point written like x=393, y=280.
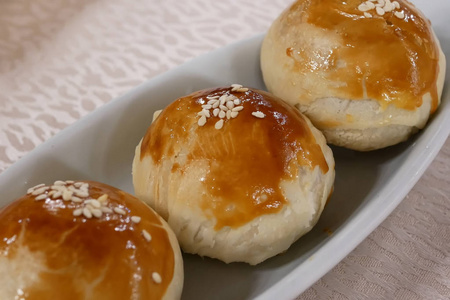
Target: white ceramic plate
x=368, y=185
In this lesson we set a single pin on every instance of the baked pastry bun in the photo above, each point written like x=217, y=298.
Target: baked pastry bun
x=237, y=173
x=368, y=74
x=86, y=240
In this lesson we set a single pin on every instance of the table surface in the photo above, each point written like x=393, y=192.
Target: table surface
x=61, y=59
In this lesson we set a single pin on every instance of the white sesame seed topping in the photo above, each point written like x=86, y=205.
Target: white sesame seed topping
x=234, y=114
x=87, y=213
x=396, y=4
x=41, y=197
x=80, y=193
x=30, y=190
x=206, y=113
x=222, y=114
x=135, y=219
x=96, y=212
x=216, y=112
x=223, y=99
x=228, y=114
x=399, y=14
x=238, y=108
x=56, y=195
x=146, y=235
x=78, y=184
x=76, y=199
x=216, y=104
x=106, y=210
x=367, y=15
x=258, y=114
x=70, y=181
x=156, y=277
x=363, y=7
x=77, y=212
x=380, y=11
x=219, y=124
x=230, y=104
x=67, y=195
x=39, y=190
x=201, y=121
x=206, y=106
x=236, y=101
x=223, y=107
x=59, y=182
x=95, y=203
x=119, y=211
x=242, y=90
x=102, y=198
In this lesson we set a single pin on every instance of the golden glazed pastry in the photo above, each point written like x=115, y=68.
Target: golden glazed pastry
x=367, y=74
x=238, y=174
x=86, y=241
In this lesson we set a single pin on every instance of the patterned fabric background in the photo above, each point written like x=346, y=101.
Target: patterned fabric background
x=61, y=59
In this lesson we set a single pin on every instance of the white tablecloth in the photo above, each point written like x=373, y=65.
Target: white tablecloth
x=59, y=60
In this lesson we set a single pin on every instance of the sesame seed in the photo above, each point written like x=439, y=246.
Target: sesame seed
x=76, y=199
x=156, y=277
x=211, y=102
x=223, y=99
x=370, y=5
x=230, y=104
x=96, y=212
x=201, y=121
x=106, y=210
x=219, y=124
x=222, y=114
x=93, y=202
x=77, y=212
x=367, y=15
x=41, y=197
x=216, y=104
x=242, y=90
x=229, y=114
x=236, y=101
x=206, y=106
x=32, y=189
x=380, y=11
x=206, y=113
x=87, y=213
x=212, y=97
x=216, y=112
x=146, y=235
x=59, y=182
x=70, y=181
x=80, y=193
x=234, y=114
x=67, y=195
x=56, y=195
x=396, y=4
x=119, y=211
x=223, y=107
x=39, y=190
x=78, y=184
x=238, y=108
x=135, y=219
x=399, y=14
x=258, y=114
x=60, y=188
x=363, y=7
x=102, y=198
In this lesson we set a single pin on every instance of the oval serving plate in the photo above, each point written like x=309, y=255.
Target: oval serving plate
x=368, y=185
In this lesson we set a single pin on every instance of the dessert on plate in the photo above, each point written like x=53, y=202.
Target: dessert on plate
x=368, y=74
x=238, y=174
x=86, y=240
